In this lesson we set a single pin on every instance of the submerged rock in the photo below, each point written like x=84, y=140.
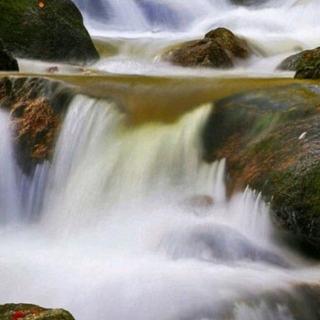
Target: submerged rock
x=306, y=64
x=7, y=61
x=32, y=312
x=36, y=107
x=219, y=243
x=219, y=49
x=247, y=2
x=54, y=32
x=271, y=141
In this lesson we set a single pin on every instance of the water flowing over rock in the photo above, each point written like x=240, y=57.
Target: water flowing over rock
x=306, y=64
x=271, y=141
x=247, y=2
x=53, y=33
x=32, y=312
x=7, y=61
x=219, y=49
x=36, y=107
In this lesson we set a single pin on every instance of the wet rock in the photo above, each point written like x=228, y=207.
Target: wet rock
x=299, y=301
x=271, y=141
x=7, y=61
x=247, y=2
x=37, y=107
x=54, y=32
x=199, y=201
x=219, y=243
x=220, y=48
x=32, y=312
x=36, y=126
x=306, y=64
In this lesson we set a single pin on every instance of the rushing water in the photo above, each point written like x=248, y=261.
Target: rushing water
x=134, y=33
x=142, y=29
x=129, y=222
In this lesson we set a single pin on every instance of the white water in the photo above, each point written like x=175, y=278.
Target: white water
x=275, y=29
x=115, y=232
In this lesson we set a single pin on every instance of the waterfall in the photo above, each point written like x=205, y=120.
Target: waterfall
x=129, y=222
x=139, y=31
x=265, y=19
x=9, y=206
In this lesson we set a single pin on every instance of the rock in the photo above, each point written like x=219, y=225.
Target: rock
x=234, y=45
x=36, y=126
x=271, y=141
x=32, y=312
x=37, y=107
x=247, y=2
x=7, y=61
x=219, y=49
x=218, y=243
x=306, y=64
x=52, y=33
x=202, y=201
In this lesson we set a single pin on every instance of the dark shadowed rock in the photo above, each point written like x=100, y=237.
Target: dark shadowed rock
x=32, y=312
x=53, y=33
x=306, y=64
x=7, y=61
x=219, y=49
x=271, y=141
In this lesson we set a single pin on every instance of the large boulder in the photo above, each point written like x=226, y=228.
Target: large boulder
x=220, y=48
x=54, y=32
x=7, y=61
x=271, y=141
x=32, y=312
x=37, y=108
x=306, y=64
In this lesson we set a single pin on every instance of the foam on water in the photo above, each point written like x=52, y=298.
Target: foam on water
x=275, y=29
x=125, y=228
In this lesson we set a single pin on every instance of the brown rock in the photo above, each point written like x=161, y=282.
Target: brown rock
x=219, y=49
x=36, y=127
x=37, y=107
x=236, y=46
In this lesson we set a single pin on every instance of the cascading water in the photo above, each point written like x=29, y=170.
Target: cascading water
x=132, y=224
x=143, y=29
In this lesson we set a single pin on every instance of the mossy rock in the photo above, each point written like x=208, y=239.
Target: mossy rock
x=32, y=312
x=271, y=140
x=52, y=33
x=306, y=64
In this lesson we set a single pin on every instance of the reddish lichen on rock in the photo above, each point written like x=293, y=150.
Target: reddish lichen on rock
x=36, y=126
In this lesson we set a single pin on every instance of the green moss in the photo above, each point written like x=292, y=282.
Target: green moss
x=55, y=33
